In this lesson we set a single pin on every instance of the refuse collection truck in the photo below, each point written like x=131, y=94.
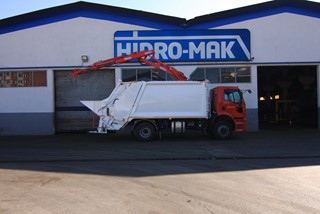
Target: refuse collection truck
x=176, y=106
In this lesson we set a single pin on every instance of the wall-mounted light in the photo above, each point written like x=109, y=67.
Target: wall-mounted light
x=84, y=58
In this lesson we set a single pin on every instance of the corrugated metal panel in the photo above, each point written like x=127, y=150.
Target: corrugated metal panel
x=70, y=114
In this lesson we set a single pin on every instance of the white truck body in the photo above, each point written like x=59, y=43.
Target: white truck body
x=151, y=100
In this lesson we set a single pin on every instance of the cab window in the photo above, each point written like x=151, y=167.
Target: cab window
x=232, y=95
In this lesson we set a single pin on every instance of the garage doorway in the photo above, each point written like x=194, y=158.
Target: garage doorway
x=70, y=114
x=287, y=97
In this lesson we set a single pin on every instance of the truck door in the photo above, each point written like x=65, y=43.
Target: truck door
x=233, y=103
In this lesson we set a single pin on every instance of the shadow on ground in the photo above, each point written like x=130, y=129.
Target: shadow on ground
x=121, y=155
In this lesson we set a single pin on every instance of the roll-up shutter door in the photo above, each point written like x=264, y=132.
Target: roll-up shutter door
x=70, y=114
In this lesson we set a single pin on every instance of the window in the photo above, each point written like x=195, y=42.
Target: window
x=23, y=79
x=232, y=95
x=145, y=74
x=39, y=78
x=213, y=75
x=157, y=75
x=129, y=75
x=228, y=75
x=223, y=74
x=198, y=75
x=243, y=74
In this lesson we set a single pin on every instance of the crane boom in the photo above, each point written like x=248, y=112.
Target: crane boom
x=141, y=56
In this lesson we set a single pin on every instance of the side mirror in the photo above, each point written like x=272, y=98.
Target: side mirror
x=247, y=90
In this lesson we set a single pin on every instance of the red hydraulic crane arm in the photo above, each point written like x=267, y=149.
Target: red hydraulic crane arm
x=112, y=61
x=164, y=67
x=141, y=56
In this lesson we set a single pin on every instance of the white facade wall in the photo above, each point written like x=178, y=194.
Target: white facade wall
x=31, y=110
x=57, y=45
x=61, y=44
x=29, y=99
x=273, y=40
x=284, y=39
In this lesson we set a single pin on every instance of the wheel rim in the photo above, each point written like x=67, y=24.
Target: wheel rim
x=145, y=132
x=223, y=131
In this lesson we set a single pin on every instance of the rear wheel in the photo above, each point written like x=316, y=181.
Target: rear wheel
x=222, y=130
x=144, y=131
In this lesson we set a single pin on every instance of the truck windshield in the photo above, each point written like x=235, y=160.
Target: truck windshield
x=232, y=95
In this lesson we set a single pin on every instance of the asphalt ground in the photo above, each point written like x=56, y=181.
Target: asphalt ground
x=274, y=171
x=95, y=147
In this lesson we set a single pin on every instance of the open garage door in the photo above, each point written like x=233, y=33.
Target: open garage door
x=287, y=97
x=70, y=114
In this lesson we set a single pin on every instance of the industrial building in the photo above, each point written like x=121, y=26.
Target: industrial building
x=271, y=48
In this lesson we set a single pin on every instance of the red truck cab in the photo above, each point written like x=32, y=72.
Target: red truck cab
x=228, y=111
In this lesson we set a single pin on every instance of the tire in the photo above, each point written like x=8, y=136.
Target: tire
x=144, y=131
x=222, y=130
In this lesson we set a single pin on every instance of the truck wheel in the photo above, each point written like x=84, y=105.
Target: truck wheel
x=222, y=130
x=144, y=131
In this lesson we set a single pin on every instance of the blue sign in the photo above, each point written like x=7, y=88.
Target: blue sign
x=187, y=45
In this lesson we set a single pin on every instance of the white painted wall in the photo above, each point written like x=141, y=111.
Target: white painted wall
x=274, y=39
x=28, y=99
x=61, y=43
x=284, y=37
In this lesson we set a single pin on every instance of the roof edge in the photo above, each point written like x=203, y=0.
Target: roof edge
x=88, y=5
x=302, y=4
x=167, y=21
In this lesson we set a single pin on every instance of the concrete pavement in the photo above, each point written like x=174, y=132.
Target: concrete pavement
x=261, y=172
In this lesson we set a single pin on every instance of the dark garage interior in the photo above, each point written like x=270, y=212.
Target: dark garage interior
x=287, y=97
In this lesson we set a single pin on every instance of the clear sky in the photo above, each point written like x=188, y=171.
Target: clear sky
x=179, y=8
